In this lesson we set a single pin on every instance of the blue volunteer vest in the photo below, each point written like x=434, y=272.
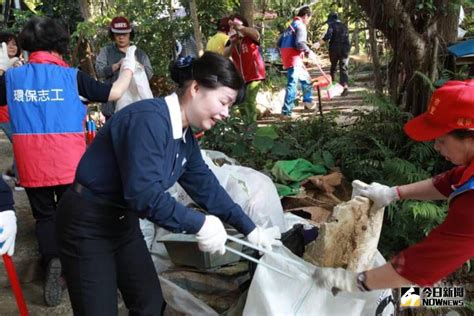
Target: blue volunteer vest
x=47, y=120
x=469, y=185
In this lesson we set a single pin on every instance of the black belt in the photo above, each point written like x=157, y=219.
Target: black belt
x=90, y=196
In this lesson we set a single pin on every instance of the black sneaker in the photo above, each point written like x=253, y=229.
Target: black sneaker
x=345, y=92
x=53, y=283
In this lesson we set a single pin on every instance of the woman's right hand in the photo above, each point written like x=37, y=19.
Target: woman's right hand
x=130, y=61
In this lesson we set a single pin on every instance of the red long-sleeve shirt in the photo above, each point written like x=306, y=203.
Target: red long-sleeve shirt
x=450, y=244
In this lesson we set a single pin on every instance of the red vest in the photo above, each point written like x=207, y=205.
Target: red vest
x=248, y=60
x=4, y=117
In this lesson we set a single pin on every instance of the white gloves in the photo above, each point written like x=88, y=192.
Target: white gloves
x=265, y=237
x=5, y=61
x=8, y=232
x=212, y=235
x=313, y=57
x=339, y=279
x=380, y=194
x=316, y=45
x=130, y=62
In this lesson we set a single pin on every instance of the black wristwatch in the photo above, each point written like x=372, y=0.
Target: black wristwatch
x=360, y=281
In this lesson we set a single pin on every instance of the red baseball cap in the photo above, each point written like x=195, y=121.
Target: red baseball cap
x=451, y=107
x=120, y=25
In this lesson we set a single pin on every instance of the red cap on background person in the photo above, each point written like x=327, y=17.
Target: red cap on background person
x=451, y=107
x=120, y=25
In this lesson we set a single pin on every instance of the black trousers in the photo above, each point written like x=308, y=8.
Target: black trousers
x=101, y=250
x=43, y=201
x=339, y=55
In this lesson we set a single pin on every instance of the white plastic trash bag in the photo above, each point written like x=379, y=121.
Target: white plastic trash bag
x=139, y=89
x=252, y=190
x=183, y=301
x=148, y=230
x=272, y=293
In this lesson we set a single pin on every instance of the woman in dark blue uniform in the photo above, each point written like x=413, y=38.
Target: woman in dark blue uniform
x=141, y=152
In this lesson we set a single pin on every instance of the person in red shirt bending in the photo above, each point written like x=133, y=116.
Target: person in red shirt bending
x=244, y=49
x=449, y=121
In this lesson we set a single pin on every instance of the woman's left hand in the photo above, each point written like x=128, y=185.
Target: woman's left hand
x=265, y=237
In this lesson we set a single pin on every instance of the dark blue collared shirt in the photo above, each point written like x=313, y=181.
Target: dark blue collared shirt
x=140, y=153
x=6, y=197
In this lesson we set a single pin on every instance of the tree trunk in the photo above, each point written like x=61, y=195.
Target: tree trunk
x=197, y=27
x=6, y=12
x=91, y=9
x=264, y=5
x=375, y=61
x=246, y=10
x=355, y=38
x=83, y=55
x=413, y=37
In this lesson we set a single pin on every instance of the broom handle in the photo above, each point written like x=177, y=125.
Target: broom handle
x=12, y=276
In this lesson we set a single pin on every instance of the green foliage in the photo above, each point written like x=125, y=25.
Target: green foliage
x=260, y=148
x=209, y=13
x=274, y=80
x=408, y=222
x=21, y=17
x=66, y=11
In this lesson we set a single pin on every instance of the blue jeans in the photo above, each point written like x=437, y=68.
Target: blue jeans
x=7, y=129
x=295, y=74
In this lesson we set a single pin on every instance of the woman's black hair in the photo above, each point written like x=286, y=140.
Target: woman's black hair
x=6, y=37
x=462, y=133
x=43, y=33
x=112, y=38
x=304, y=11
x=211, y=71
x=241, y=18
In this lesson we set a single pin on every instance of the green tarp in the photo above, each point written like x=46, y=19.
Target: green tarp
x=289, y=173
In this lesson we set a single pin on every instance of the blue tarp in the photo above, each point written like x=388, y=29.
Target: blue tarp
x=463, y=48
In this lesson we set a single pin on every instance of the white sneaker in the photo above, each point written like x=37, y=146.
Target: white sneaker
x=309, y=105
x=19, y=187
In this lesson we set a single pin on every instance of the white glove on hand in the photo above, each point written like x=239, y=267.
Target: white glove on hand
x=212, y=236
x=130, y=61
x=5, y=61
x=8, y=234
x=313, y=57
x=265, y=237
x=339, y=278
x=316, y=45
x=380, y=194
